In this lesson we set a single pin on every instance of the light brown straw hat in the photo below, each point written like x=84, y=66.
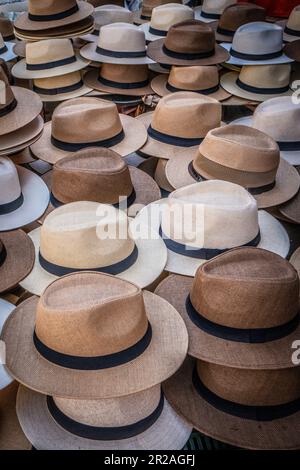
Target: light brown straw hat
x=143, y=15
x=211, y=10
x=188, y=43
x=18, y=140
x=255, y=409
x=142, y=420
x=295, y=260
x=6, y=29
x=108, y=14
x=201, y=79
x=241, y=155
x=63, y=87
x=169, y=129
x=203, y=220
x=129, y=340
x=69, y=130
x=241, y=309
x=6, y=50
x=291, y=26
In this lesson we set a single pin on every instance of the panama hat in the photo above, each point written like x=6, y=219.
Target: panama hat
x=63, y=87
x=198, y=78
x=68, y=131
x=6, y=29
x=202, y=220
x=257, y=43
x=73, y=30
x=142, y=420
x=255, y=409
x=211, y=10
x=118, y=43
x=259, y=82
x=188, y=43
x=165, y=16
x=292, y=50
x=18, y=140
x=278, y=118
x=241, y=155
x=6, y=50
x=122, y=79
x=24, y=196
x=108, y=14
x=6, y=309
x=295, y=260
x=144, y=344
x=291, y=27
x=143, y=15
x=169, y=126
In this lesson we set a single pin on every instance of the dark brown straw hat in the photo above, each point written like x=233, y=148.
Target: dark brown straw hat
x=292, y=50
x=6, y=29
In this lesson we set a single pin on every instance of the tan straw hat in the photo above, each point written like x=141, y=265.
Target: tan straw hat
x=74, y=30
x=211, y=10
x=63, y=87
x=70, y=131
x=143, y=15
x=108, y=14
x=123, y=341
x=291, y=27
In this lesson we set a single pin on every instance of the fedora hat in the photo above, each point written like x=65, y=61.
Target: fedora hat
x=278, y=118
x=125, y=79
x=241, y=155
x=73, y=30
x=75, y=237
x=6, y=50
x=188, y=43
x=20, y=139
x=6, y=308
x=68, y=131
x=202, y=220
x=108, y=14
x=211, y=10
x=24, y=196
x=259, y=82
x=169, y=129
x=257, y=43
x=118, y=43
x=291, y=27
x=165, y=16
x=201, y=79
x=48, y=58
x=295, y=260
x=142, y=420
x=143, y=15
x=254, y=409
x=292, y=50
x=129, y=340
x=63, y=87
x=6, y=29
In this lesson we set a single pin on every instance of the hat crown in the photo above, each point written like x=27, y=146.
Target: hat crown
x=108, y=14
x=60, y=81
x=216, y=6
x=6, y=27
x=48, y=50
x=36, y=7
x=266, y=76
x=176, y=111
x=258, y=37
x=191, y=36
x=91, y=314
x=251, y=288
x=164, y=16
x=239, y=14
x=10, y=188
x=121, y=37
x=124, y=73
x=148, y=5
x=194, y=78
x=69, y=120
x=293, y=21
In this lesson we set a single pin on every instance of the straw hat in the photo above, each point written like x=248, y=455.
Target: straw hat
x=63, y=87
x=118, y=43
x=108, y=14
x=169, y=129
x=165, y=16
x=202, y=220
x=73, y=30
x=24, y=196
x=129, y=340
x=6, y=308
x=292, y=50
x=277, y=118
x=143, y=15
x=259, y=82
x=68, y=130
x=18, y=140
x=142, y=420
x=257, y=43
x=6, y=29
x=241, y=155
x=211, y=10
x=291, y=27
x=6, y=50
x=198, y=78
x=126, y=79
x=188, y=43
x=255, y=409
x=295, y=260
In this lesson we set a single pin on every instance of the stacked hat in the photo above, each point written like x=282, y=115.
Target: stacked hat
x=143, y=15
x=242, y=314
x=6, y=29
x=291, y=27
x=108, y=14
x=100, y=389
x=53, y=19
x=6, y=50
x=211, y=10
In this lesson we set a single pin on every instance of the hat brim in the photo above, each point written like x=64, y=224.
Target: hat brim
x=199, y=17
x=292, y=157
x=273, y=238
x=295, y=260
x=28, y=108
x=271, y=355
x=91, y=80
x=283, y=59
x=155, y=51
x=89, y=52
x=23, y=137
x=169, y=432
x=159, y=85
x=6, y=308
x=83, y=90
x=229, y=82
x=9, y=54
x=278, y=434
x=135, y=137
x=291, y=209
x=36, y=199
x=157, y=68
x=72, y=32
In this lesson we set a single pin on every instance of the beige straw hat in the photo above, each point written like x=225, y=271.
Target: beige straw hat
x=63, y=87
x=69, y=130
x=108, y=14
x=291, y=27
x=128, y=340
x=202, y=220
x=211, y=10
x=6, y=50
x=143, y=15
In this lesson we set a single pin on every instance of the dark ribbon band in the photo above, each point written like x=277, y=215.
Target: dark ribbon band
x=241, y=55
x=173, y=140
x=95, y=362
x=144, y=17
x=129, y=200
x=211, y=16
x=104, y=433
x=200, y=253
x=240, y=335
x=289, y=146
x=3, y=254
x=123, y=86
x=96, y=32
x=256, y=413
x=51, y=65
x=3, y=49
x=292, y=32
x=225, y=32
x=262, y=91
x=120, y=54
x=9, y=108
x=206, y=91
x=188, y=55
x=58, y=91
x=157, y=32
x=70, y=147
x=11, y=206
x=55, y=16
x=9, y=38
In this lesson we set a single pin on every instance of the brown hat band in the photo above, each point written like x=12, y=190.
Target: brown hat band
x=55, y=16
x=206, y=91
x=73, y=147
x=7, y=109
x=11, y=206
x=58, y=91
x=104, y=433
x=120, y=54
x=125, y=86
x=242, y=55
x=263, y=91
x=173, y=140
x=127, y=201
x=256, y=413
x=292, y=32
x=52, y=65
x=3, y=253
x=188, y=55
x=3, y=49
